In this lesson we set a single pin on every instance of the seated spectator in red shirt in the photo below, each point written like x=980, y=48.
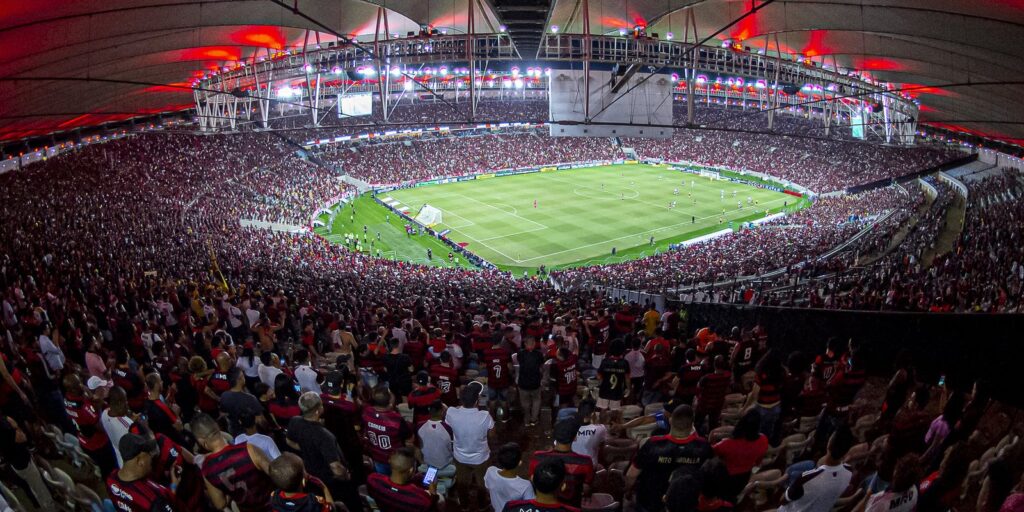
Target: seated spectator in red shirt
x=401, y=492
x=741, y=452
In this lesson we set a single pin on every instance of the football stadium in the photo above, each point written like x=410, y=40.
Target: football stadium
x=511, y=256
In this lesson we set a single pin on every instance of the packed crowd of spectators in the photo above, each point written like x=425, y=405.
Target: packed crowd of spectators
x=780, y=243
x=981, y=273
x=396, y=162
x=132, y=304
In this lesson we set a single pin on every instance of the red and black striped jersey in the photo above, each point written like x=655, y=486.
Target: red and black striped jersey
x=232, y=471
x=566, y=375
x=711, y=390
x=420, y=400
x=536, y=506
x=84, y=413
x=132, y=385
x=769, y=389
x=143, y=495
x=579, y=471
x=385, y=432
x=446, y=379
x=298, y=502
x=391, y=497
x=689, y=375
x=659, y=457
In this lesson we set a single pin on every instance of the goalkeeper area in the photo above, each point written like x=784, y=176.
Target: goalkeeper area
x=576, y=217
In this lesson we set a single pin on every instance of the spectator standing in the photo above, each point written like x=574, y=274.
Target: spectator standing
x=614, y=374
x=470, y=429
x=14, y=444
x=648, y=475
x=233, y=472
x=635, y=358
x=421, y=397
x=292, y=488
x=116, y=419
x=399, y=369
x=130, y=487
x=531, y=368
x=385, y=428
x=237, y=402
x=305, y=374
x=247, y=422
x=579, y=468
x=711, y=390
x=591, y=436
x=502, y=481
x=319, y=449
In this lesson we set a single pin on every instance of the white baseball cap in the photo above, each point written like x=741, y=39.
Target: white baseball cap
x=95, y=383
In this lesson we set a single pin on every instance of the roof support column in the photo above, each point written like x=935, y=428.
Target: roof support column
x=383, y=67
x=471, y=58
x=691, y=71
x=586, y=61
x=774, y=101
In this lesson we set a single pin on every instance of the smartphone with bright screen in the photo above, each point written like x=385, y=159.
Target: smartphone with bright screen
x=430, y=476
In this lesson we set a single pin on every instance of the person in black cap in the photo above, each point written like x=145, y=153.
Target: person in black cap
x=421, y=397
x=579, y=469
x=130, y=487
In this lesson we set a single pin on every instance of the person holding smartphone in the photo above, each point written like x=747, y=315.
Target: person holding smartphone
x=401, y=491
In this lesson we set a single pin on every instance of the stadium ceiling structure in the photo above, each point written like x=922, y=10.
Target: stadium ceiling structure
x=77, y=64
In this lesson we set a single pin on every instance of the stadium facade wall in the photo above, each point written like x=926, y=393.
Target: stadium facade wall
x=963, y=347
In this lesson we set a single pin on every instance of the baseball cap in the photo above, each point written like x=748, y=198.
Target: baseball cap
x=332, y=382
x=131, y=445
x=565, y=431
x=95, y=383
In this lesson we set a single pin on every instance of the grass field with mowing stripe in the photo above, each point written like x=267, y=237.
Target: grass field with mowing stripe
x=581, y=214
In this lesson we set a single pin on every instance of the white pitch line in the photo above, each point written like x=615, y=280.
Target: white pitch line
x=634, y=234
x=503, y=211
x=513, y=234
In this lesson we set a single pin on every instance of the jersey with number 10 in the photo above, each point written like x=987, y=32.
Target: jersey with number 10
x=386, y=431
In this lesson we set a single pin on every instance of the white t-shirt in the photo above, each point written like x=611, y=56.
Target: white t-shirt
x=822, y=486
x=436, y=440
x=116, y=427
x=889, y=501
x=504, y=490
x=589, y=440
x=470, y=427
x=268, y=374
x=306, y=376
x=263, y=442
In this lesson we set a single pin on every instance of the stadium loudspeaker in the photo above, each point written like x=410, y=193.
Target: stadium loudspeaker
x=641, y=107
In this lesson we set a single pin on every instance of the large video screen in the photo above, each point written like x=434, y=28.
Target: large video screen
x=360, y=104
x=857, y=126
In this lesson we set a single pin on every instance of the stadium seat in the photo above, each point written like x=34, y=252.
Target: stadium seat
x=641, y=432
x=762, y=488
x=654, y=407
x=611, y=454
x=795, y=446
x=720, y=433
x=600, y=502
x=858, y=453
x=862, y=425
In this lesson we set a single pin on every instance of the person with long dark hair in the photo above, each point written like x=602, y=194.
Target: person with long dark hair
x=941, y=489
x=285, y=404
x=741, y=452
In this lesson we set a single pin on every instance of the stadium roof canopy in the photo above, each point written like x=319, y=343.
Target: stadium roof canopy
x=65, y=63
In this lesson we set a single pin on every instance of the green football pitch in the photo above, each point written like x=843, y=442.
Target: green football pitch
x=582, y=214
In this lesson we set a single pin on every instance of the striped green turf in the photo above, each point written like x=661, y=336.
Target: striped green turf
x=581, y=214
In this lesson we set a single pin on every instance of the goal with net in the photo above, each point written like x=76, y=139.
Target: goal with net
x=429, y=216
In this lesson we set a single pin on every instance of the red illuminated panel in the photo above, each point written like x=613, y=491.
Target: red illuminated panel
x=230, y=53
x=261, y=36
x=816, y=44
x=879, y=64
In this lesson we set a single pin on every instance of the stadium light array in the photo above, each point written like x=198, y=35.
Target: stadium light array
x=669, y=36
x=554, y=29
